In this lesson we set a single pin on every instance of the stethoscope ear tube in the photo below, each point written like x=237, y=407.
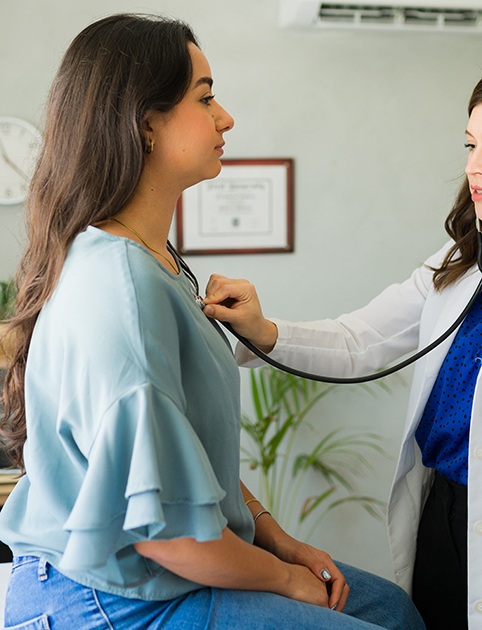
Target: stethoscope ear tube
x=478, y=225
x=376, y=375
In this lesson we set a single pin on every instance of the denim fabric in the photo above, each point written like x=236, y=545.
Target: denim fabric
x=39, y=597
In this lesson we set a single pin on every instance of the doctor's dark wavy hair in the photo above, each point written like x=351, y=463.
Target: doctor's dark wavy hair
x=460, y=225
x=93, y=153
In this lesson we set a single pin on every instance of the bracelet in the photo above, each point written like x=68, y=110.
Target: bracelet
x=252, y=501
x=255, y=518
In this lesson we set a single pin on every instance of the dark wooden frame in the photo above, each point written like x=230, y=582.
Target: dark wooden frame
x=288, y=211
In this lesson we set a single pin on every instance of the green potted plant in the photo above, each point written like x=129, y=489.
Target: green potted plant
x=281, y=404
x=8, y=294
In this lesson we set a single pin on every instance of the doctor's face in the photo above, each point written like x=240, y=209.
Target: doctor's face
x=474, y=160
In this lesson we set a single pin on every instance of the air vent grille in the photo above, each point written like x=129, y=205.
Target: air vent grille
x=339, y=15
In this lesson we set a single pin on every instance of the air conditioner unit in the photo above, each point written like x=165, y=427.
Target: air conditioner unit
x=462, y=16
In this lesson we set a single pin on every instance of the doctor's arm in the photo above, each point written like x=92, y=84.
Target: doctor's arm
x=354, y=344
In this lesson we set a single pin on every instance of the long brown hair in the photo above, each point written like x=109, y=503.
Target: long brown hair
x=460, y=225
x=92, y=157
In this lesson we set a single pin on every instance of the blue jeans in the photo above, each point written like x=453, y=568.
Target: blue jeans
x=41, y=598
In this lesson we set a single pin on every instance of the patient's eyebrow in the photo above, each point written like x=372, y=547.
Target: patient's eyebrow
x=207, y=80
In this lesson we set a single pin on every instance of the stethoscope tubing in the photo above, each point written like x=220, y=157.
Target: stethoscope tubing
x=345, y=380
x=358, y=379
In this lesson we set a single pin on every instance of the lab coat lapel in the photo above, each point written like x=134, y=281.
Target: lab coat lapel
x=442, y=310
x=452, y=302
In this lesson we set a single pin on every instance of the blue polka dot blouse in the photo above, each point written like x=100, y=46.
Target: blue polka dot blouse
x=443, y=432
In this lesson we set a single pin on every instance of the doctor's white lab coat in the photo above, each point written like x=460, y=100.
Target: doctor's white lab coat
x=402, y=318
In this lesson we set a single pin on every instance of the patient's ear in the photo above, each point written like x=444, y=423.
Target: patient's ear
x=147, y=130
x=147, y=121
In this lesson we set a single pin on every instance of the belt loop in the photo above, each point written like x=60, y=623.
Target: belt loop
x=42, y=569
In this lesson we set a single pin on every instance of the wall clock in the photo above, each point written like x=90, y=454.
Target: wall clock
x=19, y=146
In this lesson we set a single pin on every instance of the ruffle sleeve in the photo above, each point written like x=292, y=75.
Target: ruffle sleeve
x=147, y=477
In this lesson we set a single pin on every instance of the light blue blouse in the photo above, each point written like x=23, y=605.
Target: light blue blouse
x=132, y=402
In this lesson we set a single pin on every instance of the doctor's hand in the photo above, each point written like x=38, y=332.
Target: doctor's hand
x=236, y=302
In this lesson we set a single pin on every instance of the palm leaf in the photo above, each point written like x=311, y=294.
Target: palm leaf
x=311, y=503
x=281, y=404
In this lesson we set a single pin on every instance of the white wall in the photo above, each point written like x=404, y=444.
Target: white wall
x=374, y=122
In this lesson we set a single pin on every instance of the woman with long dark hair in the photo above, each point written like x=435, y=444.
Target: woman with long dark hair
x=435, y=509
x=122, y=398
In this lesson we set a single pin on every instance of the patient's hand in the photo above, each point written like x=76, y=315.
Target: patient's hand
x=320, y=563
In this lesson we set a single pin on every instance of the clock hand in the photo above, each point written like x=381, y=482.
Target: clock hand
x=2, y=151
x=16, y=168
x=12, y=165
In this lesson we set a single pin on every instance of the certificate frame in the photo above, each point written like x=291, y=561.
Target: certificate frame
x=246, y=209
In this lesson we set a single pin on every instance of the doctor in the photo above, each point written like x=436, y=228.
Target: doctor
x=435, y=506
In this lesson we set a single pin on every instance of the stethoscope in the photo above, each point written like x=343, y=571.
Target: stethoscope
x=357, y=379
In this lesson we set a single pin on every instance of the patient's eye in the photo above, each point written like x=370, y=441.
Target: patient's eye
x=207, y=99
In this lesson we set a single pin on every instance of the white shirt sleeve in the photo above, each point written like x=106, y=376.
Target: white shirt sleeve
x=359, y=342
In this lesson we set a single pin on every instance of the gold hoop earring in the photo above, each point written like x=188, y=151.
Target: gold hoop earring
x=149, y=146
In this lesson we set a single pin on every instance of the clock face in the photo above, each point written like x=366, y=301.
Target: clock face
x=19, y=146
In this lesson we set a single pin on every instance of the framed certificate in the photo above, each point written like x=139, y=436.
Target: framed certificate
x=246, y=209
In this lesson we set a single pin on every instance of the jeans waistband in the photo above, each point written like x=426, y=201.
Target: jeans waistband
x=20, y=560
